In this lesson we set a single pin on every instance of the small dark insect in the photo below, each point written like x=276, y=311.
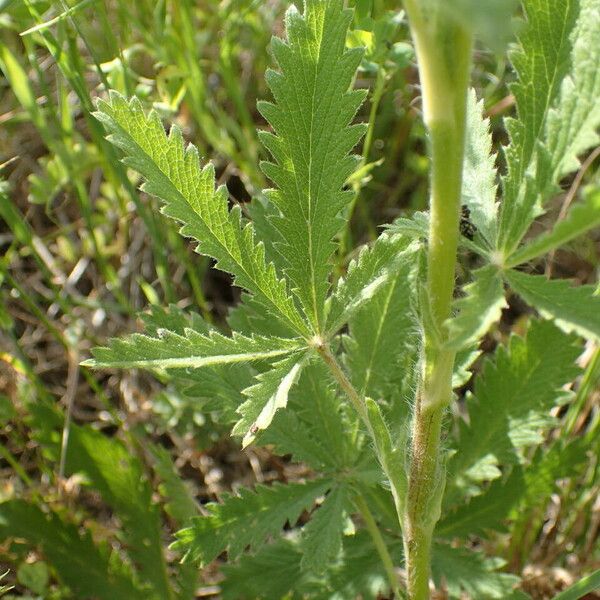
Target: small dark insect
x=466, y=227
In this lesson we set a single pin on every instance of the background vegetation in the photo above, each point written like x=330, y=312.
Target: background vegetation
x=90, y=461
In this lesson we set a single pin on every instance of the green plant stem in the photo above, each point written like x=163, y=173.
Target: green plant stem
x=384, y=455
x=379, y=542
x=338, y=373
x=444, y=57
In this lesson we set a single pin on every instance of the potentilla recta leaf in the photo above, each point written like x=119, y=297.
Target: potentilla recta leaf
x=322, y=536
x=170, y=350
x=478, y=310
x=479, y=172
x=267, y=396
x=511, y=402
x=375, y=267
x=559, y=111
x=582, y=217
x=244, y=521
x=173, y=173
x=573, y=308
x=310, y=144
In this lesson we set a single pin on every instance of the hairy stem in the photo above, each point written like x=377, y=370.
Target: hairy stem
x=392, y=466
x=355, y=398
x=443, y=54
x=379, y=542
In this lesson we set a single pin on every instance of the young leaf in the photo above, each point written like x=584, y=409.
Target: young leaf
x=471, y=572
x=85, y=568
x=478, y=310
x=541, y=61
x=479, y=172
x=573, y=308
x=267, y=396
x=582, y=217
x=322, y=536
x=247, y=520
x=193, y=350
x=511, y=401
x=311, y=143
x=173, y=174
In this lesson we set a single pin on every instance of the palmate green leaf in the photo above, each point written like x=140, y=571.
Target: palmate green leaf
x=582, y=217
x=478, y=310
x=322, y=536
x=215, y=389
x=193, y=350
x=218, y=388
x=463, y=570
x=85, y=568
x=479, y=173
x=246, y=520
x=173, y=174
x=511, y=403
x=573, y=308
x=375, y=266
x=311, y=143
x=170, y=350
